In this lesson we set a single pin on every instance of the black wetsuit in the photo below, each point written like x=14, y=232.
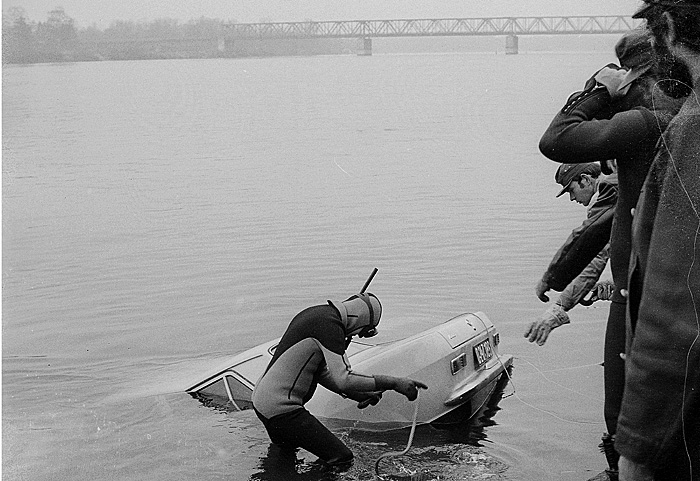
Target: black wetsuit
x=311, y=352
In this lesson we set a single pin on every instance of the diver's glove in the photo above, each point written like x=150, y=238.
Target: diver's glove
x=402, y=385
x=553, y=317
x=372, y=399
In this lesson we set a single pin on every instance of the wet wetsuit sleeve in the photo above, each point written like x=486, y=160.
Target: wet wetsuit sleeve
x=340, y=378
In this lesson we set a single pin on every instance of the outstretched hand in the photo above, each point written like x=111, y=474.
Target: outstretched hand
x=538, y=331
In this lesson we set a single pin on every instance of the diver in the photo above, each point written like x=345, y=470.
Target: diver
x=312, y=352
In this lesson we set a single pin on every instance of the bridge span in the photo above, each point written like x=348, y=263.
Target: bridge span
x=365, y=30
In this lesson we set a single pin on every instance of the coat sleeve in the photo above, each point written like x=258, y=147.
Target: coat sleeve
x=585, y=281
x=584, y=243
x=593, y=128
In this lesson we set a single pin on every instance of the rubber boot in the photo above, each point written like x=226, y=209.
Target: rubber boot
x=607, y=447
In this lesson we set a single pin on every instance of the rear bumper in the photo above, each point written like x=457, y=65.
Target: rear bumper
x=472, y=387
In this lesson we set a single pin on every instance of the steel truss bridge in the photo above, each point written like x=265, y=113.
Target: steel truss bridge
x=367, y=29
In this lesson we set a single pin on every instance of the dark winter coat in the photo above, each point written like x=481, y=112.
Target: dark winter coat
x=593, y=127
x=659, y=423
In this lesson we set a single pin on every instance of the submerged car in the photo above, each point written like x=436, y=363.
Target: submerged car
x=458, y=360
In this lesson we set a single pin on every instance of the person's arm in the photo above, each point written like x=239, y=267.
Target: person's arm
x=593, y=127
x=556, y=315
x=363, y=398
x=580, y=248
x=584, y=282
x=338, y=377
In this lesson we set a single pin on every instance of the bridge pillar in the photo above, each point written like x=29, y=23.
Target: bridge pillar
x=511, y=45
x=365, y=47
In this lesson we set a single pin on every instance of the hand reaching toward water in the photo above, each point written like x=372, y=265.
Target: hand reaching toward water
x=538, y=331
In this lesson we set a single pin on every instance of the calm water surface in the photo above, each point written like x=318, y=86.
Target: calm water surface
x=160, y=216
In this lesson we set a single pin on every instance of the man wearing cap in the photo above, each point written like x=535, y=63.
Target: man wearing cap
x=619, y=115
x=658, y=433
x=312, y=352
x=586, y=244
x=586, y=185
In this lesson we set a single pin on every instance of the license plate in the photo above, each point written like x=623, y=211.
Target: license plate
x=482, y=353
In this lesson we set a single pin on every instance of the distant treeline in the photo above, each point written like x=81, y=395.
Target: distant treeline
x=59, y=40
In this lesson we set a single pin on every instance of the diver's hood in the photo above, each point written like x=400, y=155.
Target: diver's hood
x=360, y=314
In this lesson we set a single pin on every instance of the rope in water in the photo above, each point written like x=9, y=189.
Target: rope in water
x=410, y=439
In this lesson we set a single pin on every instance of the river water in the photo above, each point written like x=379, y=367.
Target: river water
x=161, y=216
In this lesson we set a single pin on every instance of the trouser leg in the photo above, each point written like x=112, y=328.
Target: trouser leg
x=614, y=376
x=300, y=429
x=614, y=365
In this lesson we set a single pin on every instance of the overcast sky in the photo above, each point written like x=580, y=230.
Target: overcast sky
x=103, y=12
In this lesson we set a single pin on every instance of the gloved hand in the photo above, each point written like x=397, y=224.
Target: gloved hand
x=611, y=77
x=538, y=331
x=402, y=385
x=372, y=400
x=603, y=291
x=540, y=290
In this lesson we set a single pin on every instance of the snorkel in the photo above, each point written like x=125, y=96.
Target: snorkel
x=369, y=280
x=357, y=320
x=371, y=330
